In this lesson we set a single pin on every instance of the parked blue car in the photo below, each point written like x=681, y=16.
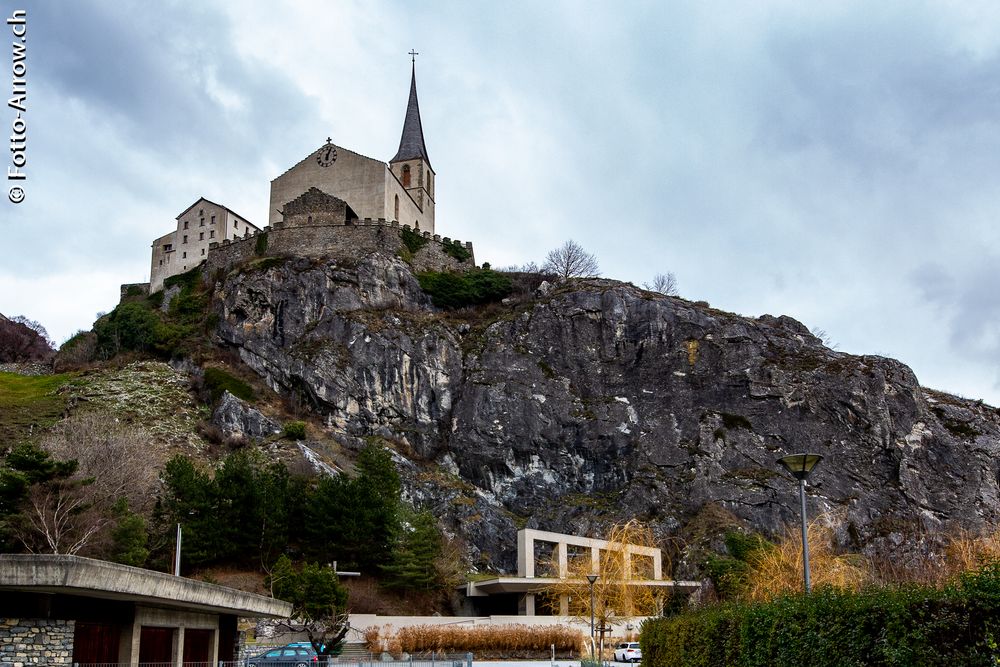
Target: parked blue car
x=300, y=654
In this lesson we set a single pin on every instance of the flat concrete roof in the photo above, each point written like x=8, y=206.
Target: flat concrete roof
x=535, y=584
x=75, y=575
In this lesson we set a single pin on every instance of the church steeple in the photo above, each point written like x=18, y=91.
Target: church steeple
x=411, y=143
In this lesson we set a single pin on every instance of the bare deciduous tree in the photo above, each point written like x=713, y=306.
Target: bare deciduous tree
x=619, y=592
x=664, y=283
x=570, y=260
x=64, y=515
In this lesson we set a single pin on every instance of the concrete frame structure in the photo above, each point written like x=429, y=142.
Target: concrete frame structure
x=528, y=585
x=119, y=603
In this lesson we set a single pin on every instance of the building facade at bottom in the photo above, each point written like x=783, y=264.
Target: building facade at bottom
x=68, y=610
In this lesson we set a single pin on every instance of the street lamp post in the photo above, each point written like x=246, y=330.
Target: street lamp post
x=591, y=578
x=800, y=465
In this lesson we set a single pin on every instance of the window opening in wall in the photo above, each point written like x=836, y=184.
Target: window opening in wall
x=395, y=215
x=201, y=211
x=202, y=223
x=309, y=220
x=201, y=236
x=203, y=251
x=213, y=219
x=211, y=234
x=185, y=224
x=161, y=262
x=185, y=238
x=184, y=255
x=406, y=175
x=236, y=224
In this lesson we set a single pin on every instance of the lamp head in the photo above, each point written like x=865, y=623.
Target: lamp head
x=800, y=465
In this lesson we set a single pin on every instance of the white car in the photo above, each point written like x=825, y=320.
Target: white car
x=628, y=652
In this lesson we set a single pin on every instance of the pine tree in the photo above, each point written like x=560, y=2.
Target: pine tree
x=414, y=559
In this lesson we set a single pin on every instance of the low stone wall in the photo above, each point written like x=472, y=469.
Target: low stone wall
x=27, y=368
x=35, y=641
x=136, y=289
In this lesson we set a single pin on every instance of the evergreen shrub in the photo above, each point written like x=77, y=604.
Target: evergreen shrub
x=456, y=290
x=908, y=625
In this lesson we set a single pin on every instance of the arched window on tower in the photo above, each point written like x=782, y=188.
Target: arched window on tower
x=395, y=215
x=406, y=176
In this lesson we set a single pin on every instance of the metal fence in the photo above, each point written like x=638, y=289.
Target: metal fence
x=435, y=660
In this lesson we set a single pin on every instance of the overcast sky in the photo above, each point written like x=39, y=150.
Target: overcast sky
x=836, y=162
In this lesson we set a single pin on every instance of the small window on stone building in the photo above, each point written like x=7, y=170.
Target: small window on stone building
x=309, y=220
x=201, y=236
x=201, y=211
x=161, y=262
x=395, y=215
x=202, y=223
x=236, y=224
x=185, y=224
x=213, y=219
x=184, y=255
x=406, y=176
x=211, y=234
x=203, y=252
x=185, y=238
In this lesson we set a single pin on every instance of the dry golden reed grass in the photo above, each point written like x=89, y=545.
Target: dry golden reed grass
x=418, y=639
x=778, y=570
x=968, y=551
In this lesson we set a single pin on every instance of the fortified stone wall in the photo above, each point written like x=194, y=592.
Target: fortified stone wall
x=36, y=641
x=336, y=242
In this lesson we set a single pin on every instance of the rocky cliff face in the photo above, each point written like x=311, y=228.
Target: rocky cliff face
x=600, y=401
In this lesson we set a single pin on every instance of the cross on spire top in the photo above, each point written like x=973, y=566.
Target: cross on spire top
x=413, y=56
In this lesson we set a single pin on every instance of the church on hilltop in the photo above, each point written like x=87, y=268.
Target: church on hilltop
x=331, y=187
x=401, y=190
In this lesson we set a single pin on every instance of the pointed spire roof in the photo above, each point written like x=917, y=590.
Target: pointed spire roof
x=411, y=143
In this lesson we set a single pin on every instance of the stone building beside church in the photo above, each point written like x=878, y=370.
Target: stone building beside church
x=399, y=193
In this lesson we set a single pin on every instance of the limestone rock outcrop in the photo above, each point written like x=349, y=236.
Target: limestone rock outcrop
x=234, y=417
x=592, y=401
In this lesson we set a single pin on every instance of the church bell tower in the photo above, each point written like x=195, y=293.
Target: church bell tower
x=411, y=165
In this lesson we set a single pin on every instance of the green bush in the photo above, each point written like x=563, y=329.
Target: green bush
x=412, y=240
x=295, y=431
x=881, y=626
x=130, y=326
x=219, y=381
x=457, y=250
x=455, y=290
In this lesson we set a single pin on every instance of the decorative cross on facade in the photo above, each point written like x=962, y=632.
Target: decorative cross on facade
x=328, y=140
x=413, y=56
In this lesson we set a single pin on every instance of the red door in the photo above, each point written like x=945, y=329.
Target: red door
x=156, y=644
x=197, y=648
x=96, y=642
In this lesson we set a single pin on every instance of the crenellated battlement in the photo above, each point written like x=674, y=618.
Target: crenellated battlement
x=342, y=240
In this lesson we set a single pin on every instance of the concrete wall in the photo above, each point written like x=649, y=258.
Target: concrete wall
x=35, y=641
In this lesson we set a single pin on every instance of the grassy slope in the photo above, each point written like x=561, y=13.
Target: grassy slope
x=30, y=403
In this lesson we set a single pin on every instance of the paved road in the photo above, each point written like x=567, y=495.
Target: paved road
x=545, y=663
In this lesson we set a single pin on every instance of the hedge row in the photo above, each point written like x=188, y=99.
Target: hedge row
x=885, y=626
